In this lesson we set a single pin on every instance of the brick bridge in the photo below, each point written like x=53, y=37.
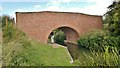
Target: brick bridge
x=39, y=25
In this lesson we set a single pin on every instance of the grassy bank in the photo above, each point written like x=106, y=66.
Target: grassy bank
x=19, y=50
x=45, y=55
x=38, y=54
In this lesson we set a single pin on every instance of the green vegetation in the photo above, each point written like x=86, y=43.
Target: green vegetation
x=112, y=18
x=13, y=44
x=3, y=19
x=103, y=45
x=103, y=49
x=18, y=50
x=59, y=36
x=98, y=48
x=98, y=58
x=98, y=40
x=45, y=55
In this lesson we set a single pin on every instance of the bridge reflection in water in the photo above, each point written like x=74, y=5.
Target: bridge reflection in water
x=73, y=49
x=77, y=52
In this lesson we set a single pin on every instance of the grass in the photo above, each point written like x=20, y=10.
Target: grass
x=40, y=54
x=0, y=47
x=18, y=50
x=46, y=55
x=98, y=58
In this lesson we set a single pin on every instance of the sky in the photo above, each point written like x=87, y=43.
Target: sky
x=92, y=7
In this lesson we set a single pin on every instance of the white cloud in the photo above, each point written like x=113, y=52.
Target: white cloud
x=32, y=9
x=51, y=3
x=98, y=8
x=58, y=2
x=54, y=5
x=67, y=1
x=37, y=6
x=52, y=8
x=24, y=0
x=19, y=10
x=1, y=8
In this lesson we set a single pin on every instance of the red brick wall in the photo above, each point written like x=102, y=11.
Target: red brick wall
x=38, y=25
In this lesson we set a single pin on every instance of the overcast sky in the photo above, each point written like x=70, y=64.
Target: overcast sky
x=93, y=7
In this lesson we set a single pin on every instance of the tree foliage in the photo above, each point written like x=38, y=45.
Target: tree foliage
x=3, y=20
x=98, y=40
x=59, y=36
x=112, y=18
x=110, y=37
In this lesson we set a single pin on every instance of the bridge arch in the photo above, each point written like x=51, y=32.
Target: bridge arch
x=71, y=34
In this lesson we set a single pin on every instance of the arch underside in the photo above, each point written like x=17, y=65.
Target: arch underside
x=70, y=33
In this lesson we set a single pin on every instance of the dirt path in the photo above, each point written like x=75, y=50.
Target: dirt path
x=54, y=45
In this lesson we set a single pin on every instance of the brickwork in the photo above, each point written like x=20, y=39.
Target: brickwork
x=38, y=25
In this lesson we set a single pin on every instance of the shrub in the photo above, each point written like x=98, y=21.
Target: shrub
x=14, y=44
x=98, y=40
x=3, y=20
x=59, y=37
x=8, y=33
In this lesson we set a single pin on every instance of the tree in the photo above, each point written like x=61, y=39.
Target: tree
x=9, y=20
x=112, y=17
x=59, y=36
